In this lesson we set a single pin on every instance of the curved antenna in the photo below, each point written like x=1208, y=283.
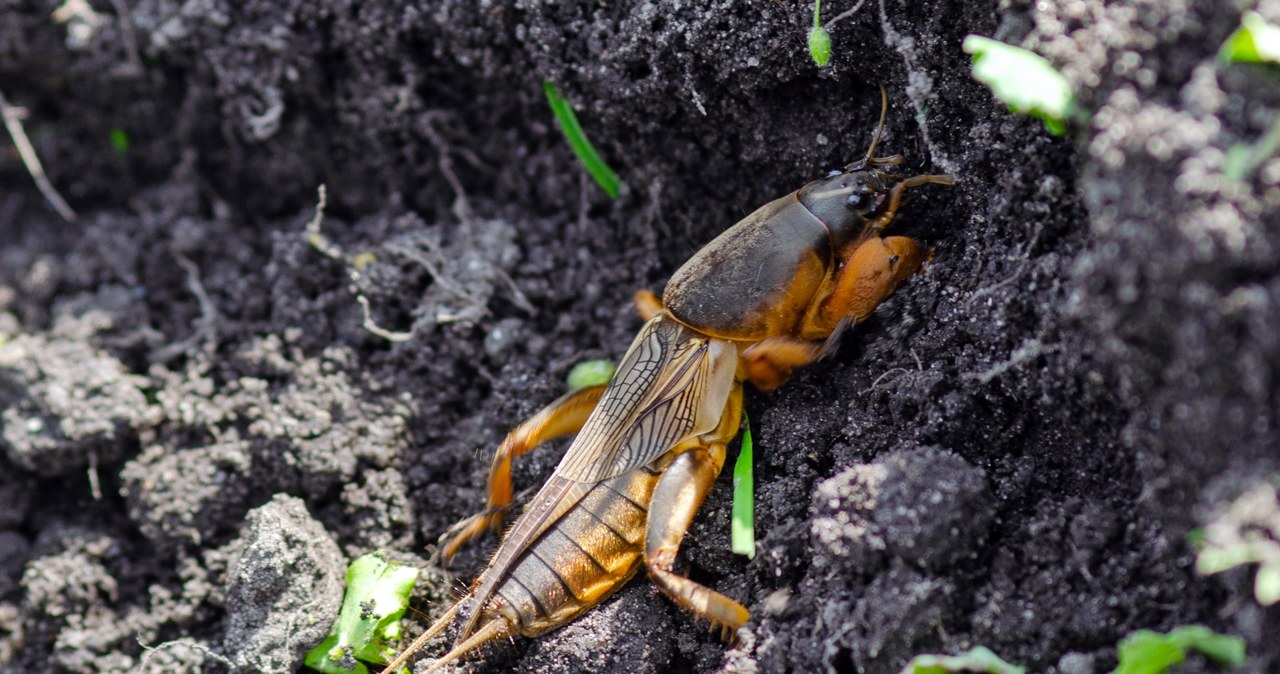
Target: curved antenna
x=884, y=108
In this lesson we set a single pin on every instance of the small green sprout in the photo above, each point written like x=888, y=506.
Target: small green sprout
x=1266, y=585
x=742, y=531
x=1255, y=41
x=1025, y=81
x=819, y=38
x=604, y=176
x=119, y=141
x=820, y=45
x=590, y=373
x=1243, y=158
x=369, y=623
x=820, y=35
x=1147, y=652
x=1246, y=533
x=977, y=659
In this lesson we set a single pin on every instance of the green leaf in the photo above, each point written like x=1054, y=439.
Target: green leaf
x=742, y=526
x=977, y=659
x=329, y=658
x=1266, y=586
x=1221, y=648
x=1213, y=560
x=119, y=141
x=820, y=46
x=590, y=373
x=369, y=622
x=1255, y=41
x=1238, y=162
x=1147, y=652
x=1025, y=81
x=1242, y=158
x=603, y=175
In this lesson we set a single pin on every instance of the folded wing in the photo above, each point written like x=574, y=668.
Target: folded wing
x=672, y=384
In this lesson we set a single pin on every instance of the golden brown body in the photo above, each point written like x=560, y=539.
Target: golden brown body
x=591, y=552
x=768, y=295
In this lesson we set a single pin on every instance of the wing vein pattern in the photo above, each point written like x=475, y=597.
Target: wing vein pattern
x=672, y=384
x=656, y=400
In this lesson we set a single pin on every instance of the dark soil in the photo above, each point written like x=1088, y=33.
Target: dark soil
x=199, y=430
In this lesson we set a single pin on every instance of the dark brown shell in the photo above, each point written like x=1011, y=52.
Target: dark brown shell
x=756, y=278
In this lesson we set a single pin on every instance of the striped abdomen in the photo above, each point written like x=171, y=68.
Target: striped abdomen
x=582, y=559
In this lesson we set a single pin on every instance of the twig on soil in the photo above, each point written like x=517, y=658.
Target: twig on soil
x=95, y=485
x=1026, y=351
x=693, y=95
x=461, y=205
x=444, y=280
x=373, y=327
x=839, y=17
x=130, y=41
x=312, y=228
x=462, y=210
x=517, y=295
x=896, y=370
x=206, y=327
x=190, y=643
x=329, y=249
x=1024, y=255
x=919, y=87
x=883, y=375
x=451, y=285
x=13, y=117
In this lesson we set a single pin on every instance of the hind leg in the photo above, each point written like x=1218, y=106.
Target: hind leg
x=563, y=417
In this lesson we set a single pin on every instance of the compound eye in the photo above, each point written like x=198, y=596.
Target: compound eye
x=860, y=201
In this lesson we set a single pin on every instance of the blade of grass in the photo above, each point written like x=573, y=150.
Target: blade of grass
x=742, y=532
x=604, y=176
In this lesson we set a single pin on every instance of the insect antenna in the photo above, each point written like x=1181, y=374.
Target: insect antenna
x=871, y=159
x=875, y=138
x=493, y=629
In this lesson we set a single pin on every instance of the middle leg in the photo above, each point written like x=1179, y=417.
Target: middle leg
x=676, y=499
